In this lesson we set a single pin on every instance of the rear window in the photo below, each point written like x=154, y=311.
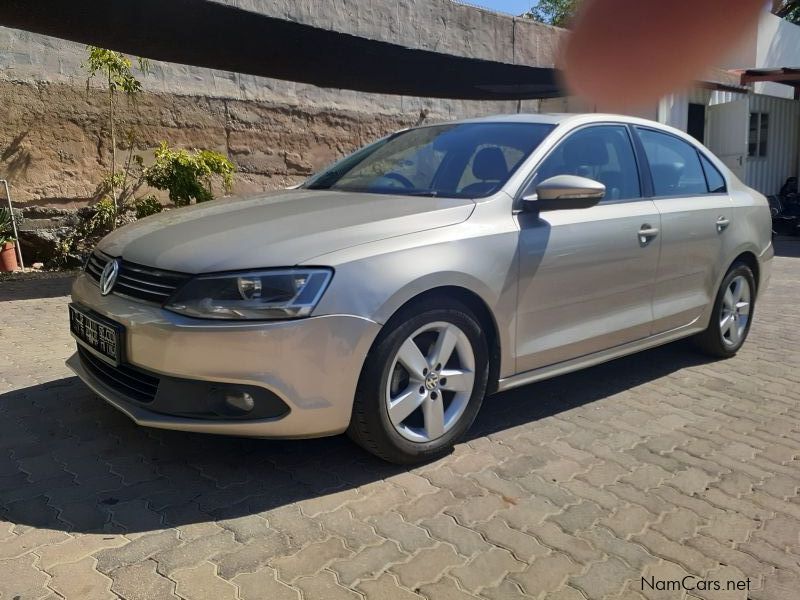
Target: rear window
x=715, y=180
x=674, y=165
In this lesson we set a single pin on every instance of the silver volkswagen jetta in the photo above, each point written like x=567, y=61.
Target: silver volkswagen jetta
x=393, y=291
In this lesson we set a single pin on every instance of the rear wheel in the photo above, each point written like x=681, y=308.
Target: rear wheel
x=733, y=313
x=422, y=384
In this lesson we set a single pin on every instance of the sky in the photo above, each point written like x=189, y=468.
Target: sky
x=514, y=7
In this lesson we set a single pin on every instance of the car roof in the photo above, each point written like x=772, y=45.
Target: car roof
x=558, y=118
x=571, y=119
x=548, y=118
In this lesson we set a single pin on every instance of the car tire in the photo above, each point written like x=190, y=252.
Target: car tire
x=732, y=315
x=436, y=397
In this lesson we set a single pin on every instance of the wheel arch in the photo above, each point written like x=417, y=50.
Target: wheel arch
x=478, y=306
x=749, y=258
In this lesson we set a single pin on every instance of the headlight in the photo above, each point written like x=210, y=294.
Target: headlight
x=275, y=294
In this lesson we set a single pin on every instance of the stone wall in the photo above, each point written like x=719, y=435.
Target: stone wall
x=54, y=143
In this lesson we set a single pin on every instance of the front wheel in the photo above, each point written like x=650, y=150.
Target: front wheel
x=732, y=315
x=422, y=384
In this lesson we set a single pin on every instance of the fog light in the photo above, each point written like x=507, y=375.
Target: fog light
x=241, y=401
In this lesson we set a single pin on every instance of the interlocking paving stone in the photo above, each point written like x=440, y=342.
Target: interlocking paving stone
x=386, y=587
x=80, y=580
x=141, y=582
x=523, y=546
x=465, y=540
x=310, y=559
x=263, y=584
x=324, y=586
x=444, y=589
x=136, y=551
x=369, y=562
x=410, y=537
x=486, y=569
x=658, y=465
x=201, y=582
x=77, y=547
x=427, y=566
x=251, y=557
x=22, y=579
x=192, y=553
x=355, y=533
x=546, y=574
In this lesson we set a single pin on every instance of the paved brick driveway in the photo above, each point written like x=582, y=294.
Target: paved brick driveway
x=659, y=466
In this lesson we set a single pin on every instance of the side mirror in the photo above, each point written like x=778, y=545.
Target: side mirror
x=565, y=191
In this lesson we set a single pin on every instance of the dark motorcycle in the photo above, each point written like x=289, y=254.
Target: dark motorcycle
x=785, y=209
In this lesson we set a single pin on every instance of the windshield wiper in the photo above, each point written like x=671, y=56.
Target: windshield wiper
x=426, y=193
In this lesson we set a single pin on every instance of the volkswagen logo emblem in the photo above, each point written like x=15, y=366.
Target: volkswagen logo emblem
x=109, y=276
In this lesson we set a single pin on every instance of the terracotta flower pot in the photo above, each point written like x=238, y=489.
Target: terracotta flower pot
x=8, y=257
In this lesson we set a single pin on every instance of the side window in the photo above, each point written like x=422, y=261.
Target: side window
x=674, y=164
x=715, y=180
x=603, y=153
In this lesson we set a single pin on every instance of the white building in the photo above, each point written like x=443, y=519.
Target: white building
x=747, y=111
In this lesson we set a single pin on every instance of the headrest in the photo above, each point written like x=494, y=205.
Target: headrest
x=490, y=164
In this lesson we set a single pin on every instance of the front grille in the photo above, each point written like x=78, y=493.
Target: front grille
x=138, y=281
x=132, y=383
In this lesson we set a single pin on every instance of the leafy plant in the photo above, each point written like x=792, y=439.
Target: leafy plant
x=6, y=227
x=188, y=176
x=553, y=12
x=115, y=68
x=104, y=216
x=93, y=223
x=787, y=9
x=146, y=206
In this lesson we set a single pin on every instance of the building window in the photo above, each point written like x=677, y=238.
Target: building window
x=758, y=135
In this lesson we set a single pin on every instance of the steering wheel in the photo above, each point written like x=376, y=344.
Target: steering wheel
x=401, y=179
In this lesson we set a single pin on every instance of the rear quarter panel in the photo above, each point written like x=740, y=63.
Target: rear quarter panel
x=751, y=230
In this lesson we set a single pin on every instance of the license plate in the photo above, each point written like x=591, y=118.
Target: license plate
x=101, y=335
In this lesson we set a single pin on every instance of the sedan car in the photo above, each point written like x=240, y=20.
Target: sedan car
x=392, y=292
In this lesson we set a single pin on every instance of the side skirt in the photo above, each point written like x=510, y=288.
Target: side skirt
x=597, y=358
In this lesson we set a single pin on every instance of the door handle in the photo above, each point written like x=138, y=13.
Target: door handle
x=722, y=224
x=646, y=233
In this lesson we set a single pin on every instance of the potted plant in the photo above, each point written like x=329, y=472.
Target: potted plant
x=8, y=253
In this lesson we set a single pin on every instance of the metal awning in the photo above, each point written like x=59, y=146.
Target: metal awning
x=786, y=75
x=208, y=34
x=721, y=80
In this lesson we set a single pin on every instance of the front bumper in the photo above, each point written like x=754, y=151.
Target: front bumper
x=311, y=364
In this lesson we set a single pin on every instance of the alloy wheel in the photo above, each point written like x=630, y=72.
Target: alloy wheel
x=735, y=313
x=430, y=383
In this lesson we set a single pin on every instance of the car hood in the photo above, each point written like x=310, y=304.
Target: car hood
x=276, y=230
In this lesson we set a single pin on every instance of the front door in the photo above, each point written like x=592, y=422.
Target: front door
x=586, y=275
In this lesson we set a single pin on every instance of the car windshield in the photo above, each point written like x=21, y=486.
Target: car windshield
x=463, y=160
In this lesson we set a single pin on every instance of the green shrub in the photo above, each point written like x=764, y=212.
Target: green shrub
x=104, y=216
x=146, y=206
x=187, y=176
x=6, y=227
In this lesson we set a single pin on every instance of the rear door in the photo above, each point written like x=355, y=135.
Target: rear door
x=691, y=197
x=586, y=275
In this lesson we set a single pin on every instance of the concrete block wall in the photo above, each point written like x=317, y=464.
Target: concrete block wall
x=53, y=138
